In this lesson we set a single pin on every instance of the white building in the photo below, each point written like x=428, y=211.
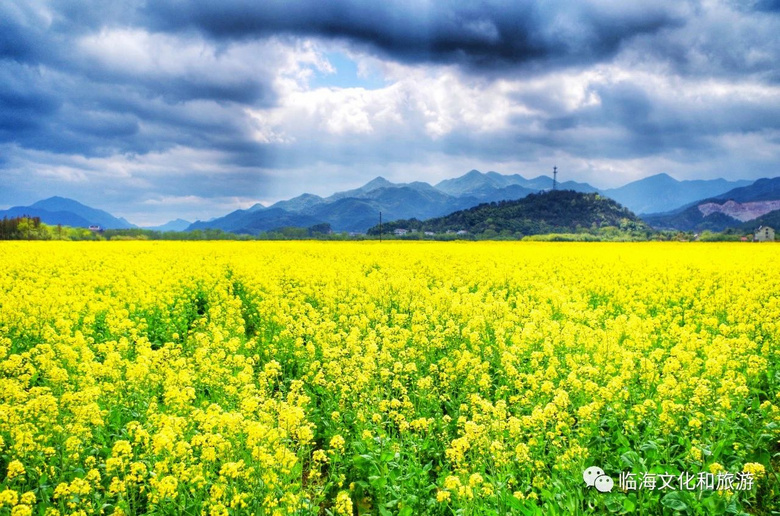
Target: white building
x=765, y=234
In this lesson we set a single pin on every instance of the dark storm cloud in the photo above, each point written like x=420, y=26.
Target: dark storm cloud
x=21, y=32
x=70, y=115
x=143, y=110
x=646, y=113
x=634, y=120
x=59, y=93
x=23, y=103
x=767, y=5
x=76, y=107
x=729, y=40
x=175, y=90
x=483, y=35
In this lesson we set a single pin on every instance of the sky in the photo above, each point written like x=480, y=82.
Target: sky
x=194, y=108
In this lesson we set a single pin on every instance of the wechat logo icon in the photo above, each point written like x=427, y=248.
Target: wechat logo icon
x=594, y=476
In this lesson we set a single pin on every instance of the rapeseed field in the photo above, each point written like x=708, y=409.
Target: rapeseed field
x=319, y=378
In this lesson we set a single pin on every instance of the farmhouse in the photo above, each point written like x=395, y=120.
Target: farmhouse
x=765, y=234
x=401, y=232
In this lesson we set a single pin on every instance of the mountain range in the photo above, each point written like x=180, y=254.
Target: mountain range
x=663, y=197
x=731, y=209
x=67, y=212
x=59, y=210
x=358, y=209
x=662, y=192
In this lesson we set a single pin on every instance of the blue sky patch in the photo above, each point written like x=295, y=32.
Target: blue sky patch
x=345, y=75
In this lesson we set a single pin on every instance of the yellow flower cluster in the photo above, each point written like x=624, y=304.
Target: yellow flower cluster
x=755, y=469
x=326, y=377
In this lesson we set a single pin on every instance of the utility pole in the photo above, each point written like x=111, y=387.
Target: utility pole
x=555, y=176
x=380, y=226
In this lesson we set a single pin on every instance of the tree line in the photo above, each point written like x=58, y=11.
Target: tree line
x=31, y=228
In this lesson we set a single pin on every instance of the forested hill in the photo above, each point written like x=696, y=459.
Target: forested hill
x=560, y=211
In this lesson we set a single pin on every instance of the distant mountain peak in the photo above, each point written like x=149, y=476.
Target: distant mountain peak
x=172, y=225
x=663, y=176
x=58, y=202
x=377, y=182
x=494, y=175
x=68, y=212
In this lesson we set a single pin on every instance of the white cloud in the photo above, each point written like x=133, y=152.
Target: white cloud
x=421, y=102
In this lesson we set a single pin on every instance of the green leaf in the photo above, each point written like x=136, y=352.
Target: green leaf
x=630, y=459
x=613, y=504
x=673, y=501
x=377, y=482
x=513, y=502
x=732, y=507
x=649, y=445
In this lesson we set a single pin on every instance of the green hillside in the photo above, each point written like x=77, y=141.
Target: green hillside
x=560, y=211
x=771, y=219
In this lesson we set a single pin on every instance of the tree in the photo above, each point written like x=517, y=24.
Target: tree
x=320, y=229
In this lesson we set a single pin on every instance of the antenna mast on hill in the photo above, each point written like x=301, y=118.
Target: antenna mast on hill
x=555, y=176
